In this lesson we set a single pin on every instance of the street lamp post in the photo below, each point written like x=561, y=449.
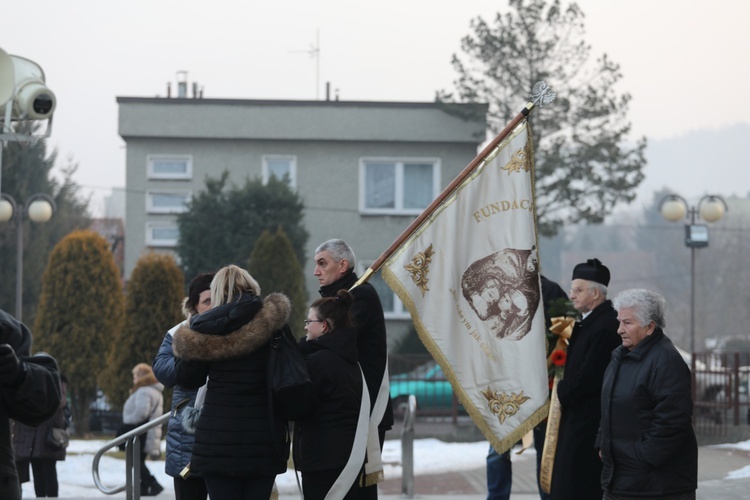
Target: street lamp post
x=710, y=208
x=38, y=208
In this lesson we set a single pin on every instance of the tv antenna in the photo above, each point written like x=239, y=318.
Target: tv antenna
x=314, y=51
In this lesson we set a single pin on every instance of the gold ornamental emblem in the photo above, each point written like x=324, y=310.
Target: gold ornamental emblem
x=519, y=161
x=502, y=405
x=419, y=267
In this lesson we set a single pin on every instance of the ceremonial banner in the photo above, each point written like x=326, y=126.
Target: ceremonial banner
x=469, y=276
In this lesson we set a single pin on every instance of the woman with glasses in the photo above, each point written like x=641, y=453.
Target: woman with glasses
x=324, y=442
x=238, y=450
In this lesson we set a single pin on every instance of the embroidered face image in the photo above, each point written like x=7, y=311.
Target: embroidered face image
x=503, y=290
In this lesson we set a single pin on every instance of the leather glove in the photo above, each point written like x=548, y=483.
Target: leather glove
x=11, y=369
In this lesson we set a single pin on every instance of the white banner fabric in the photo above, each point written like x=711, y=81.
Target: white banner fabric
x=469, y=276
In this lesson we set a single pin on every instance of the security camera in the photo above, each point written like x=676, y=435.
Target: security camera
x=24, y=82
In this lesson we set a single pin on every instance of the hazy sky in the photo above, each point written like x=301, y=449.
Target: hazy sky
x=685, y=62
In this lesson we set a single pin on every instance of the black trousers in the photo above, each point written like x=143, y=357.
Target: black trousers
x=231, y=488
x=317, y=484
x=44, y=471
x=192, y=488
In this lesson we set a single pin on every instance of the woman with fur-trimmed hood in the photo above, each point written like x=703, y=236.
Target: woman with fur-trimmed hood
x=238, y=450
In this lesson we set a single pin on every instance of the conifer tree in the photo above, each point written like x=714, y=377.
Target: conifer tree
x=80, y=312
x=274, y=265
x=223, y=223
x=585, y=161
x=152, y=306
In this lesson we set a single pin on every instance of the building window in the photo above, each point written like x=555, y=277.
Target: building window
x=394, y=186
x=170, y=167
x=280, y=167
x=167, y=202
x=393, y=308
x=162, y=234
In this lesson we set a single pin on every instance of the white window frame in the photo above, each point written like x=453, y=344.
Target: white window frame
x=151, y=209
x=292, y=168
x=154, y=242
x=399, y=187
x=187, y=175
x=399, y=311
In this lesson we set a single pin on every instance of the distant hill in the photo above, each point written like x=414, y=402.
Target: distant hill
x=701, y=162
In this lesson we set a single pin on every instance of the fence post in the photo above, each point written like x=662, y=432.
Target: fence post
x=736, y=388
x=407, y=449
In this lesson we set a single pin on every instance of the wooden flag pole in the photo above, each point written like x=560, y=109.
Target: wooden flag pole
x=444, y=194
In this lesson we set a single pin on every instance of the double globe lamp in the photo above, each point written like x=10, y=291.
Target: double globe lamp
x=38, y=208
x=710, y=208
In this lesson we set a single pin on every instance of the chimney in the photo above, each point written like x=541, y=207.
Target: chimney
x=182, y=84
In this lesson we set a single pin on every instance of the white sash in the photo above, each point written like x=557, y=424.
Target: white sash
x=349, y=474
x=374, y=466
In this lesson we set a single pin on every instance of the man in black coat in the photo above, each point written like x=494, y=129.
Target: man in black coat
x=334, y=268
x=29, y=393
x=577, y=469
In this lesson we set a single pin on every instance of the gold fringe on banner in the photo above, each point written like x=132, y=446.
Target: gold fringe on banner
x=550, y=439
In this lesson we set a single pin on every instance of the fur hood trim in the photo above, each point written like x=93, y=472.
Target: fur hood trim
x=191, y=345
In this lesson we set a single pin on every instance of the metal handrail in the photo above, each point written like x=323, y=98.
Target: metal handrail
x=132, y=456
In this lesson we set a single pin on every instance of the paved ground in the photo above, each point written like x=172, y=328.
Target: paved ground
x=713, y=466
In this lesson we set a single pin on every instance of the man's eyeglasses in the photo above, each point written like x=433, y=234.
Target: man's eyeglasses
x=308, y=321
x=577, y=291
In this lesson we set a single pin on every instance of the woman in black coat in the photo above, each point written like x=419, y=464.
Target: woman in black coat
x=238, y=449
x=646, y=438
x=32, y=447
x=324, y=441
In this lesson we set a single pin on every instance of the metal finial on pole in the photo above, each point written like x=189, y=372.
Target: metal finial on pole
x=542, y=94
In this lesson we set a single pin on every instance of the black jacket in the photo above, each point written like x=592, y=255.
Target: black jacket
x=646, y=437
x=367, y=314
x=33, y=398
x=323, y=441
x=234, y=436
x=576, y=473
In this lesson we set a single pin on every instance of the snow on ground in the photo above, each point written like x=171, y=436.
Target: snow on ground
x=744, y=446
x=431, y=456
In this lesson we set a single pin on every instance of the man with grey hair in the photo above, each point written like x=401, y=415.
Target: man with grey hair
x=334, y=268
x=577, y=469
x=646, y=439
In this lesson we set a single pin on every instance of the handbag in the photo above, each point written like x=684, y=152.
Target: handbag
x=289, y=386
x=57, y=438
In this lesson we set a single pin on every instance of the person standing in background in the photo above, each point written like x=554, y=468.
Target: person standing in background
x=179, y=442
x=499, y=465
x=144, y=404
x=33, y=446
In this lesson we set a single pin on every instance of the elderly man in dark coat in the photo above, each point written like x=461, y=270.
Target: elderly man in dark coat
x=29, y=393
x=577, y=468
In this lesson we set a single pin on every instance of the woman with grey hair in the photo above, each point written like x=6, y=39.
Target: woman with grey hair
x=646, y=438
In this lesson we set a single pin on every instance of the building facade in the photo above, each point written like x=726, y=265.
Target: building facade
x=364, y=170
